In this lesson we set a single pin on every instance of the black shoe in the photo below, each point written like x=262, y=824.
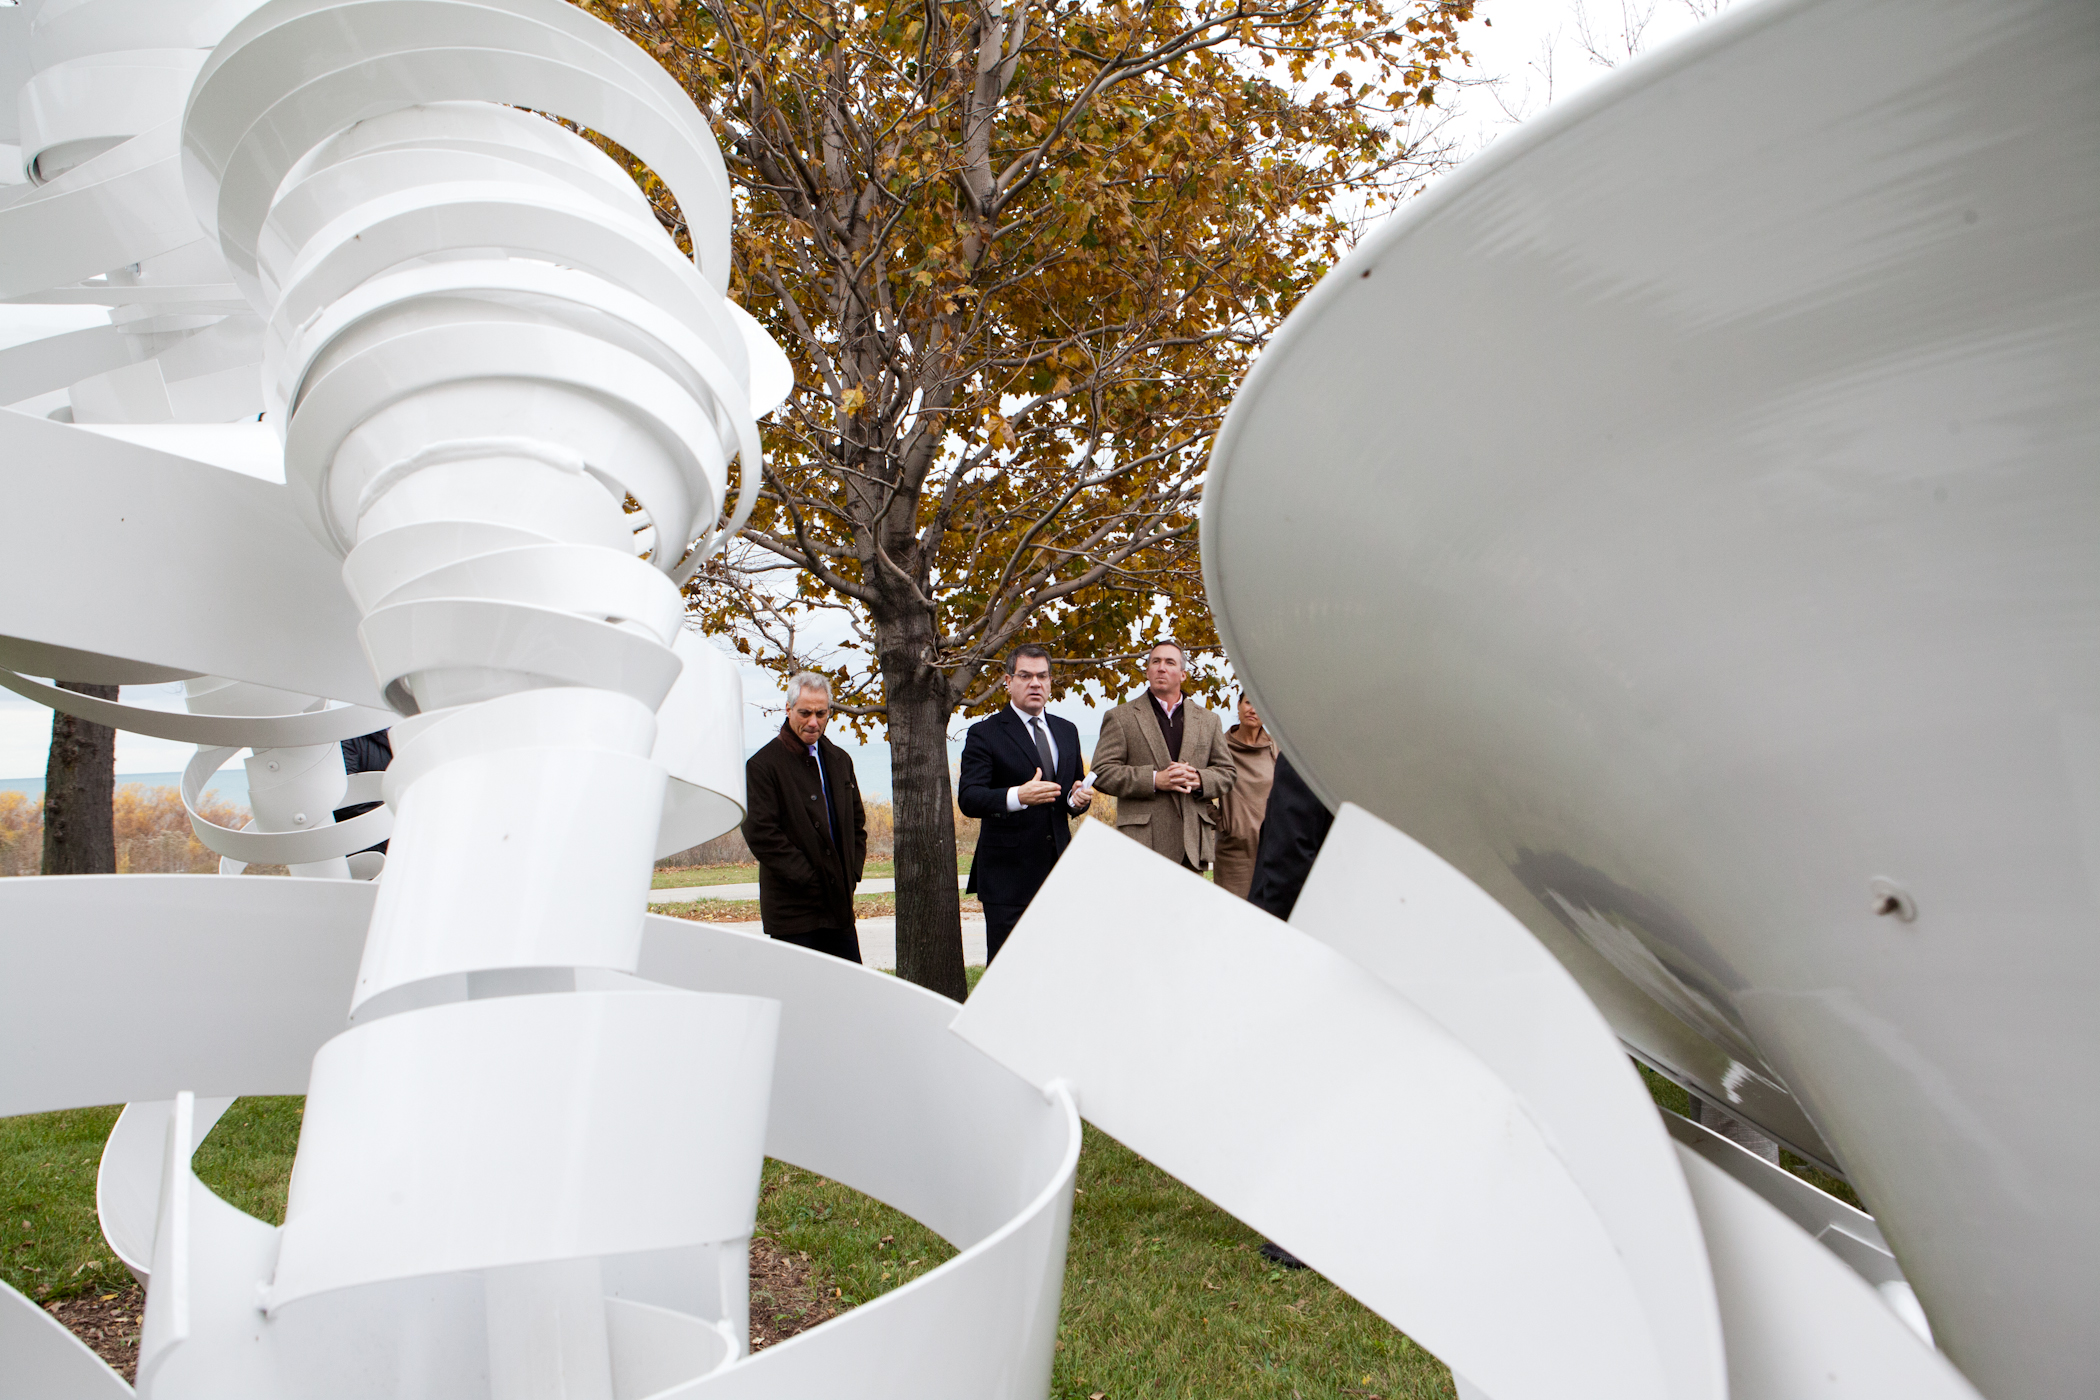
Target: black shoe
x=1277, y=1254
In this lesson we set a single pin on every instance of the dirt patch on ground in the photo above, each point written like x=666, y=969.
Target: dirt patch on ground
x=784, y=1300
x=108, y=1323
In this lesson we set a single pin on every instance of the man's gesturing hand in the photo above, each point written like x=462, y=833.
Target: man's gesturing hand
x=1037, y=790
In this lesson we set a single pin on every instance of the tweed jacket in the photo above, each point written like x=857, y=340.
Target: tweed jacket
x=1181, y=826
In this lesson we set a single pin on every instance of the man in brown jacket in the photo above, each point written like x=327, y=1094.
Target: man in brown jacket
x=1165, y=762
x=804, y=821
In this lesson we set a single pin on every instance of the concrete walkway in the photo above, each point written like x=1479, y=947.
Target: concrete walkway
x=878, y=937
x=686, y=894
x=878, y=940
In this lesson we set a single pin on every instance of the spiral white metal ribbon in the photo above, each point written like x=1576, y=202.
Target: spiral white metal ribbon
x=535, y=1115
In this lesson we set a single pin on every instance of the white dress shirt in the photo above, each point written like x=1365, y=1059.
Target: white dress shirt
x=1013, y=794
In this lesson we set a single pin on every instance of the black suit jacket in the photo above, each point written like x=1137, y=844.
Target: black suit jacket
x=805, y=882
x=1015, y=850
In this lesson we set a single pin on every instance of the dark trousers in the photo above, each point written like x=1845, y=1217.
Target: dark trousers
x=839, y=942
x=999, y=921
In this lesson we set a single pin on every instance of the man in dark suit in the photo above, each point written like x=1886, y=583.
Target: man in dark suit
x=1020, y=777
x=804, y=821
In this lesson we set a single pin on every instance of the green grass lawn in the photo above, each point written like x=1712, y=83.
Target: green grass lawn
x=52, y=1243
x=53, y=1246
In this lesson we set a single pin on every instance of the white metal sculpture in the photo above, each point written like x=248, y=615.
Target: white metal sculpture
x=387, y=352
x=1726, y=568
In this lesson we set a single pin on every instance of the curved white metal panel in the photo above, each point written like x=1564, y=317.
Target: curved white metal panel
x=531, y=1161
x=1729, y=545
x=222, y=987
x=127, y=1183
x=609, y=1123
x=299, y=634
x=47, y=1362
x=1480, y=1230
x=931, y=1125
x=1800, y=1323
x=1436, y=938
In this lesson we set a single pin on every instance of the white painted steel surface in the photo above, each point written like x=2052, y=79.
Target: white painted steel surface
x=1531, y=1273
x=469, y=341
x=1442, y=1202
x=929, y=1125
x=1798, y=1321
x=44, y=1359
x=359, y=361
x=1463, y=960
x=1702, y=483
x=127, y=1183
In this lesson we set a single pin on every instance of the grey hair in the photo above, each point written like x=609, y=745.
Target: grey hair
x=807, y=680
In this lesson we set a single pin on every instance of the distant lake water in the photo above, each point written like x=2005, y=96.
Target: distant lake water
x=231, y=783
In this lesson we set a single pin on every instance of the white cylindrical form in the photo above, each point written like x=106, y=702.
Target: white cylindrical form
x=482, y=346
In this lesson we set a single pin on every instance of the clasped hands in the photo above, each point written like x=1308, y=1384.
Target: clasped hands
x=1038, y=790
x=1177, y=777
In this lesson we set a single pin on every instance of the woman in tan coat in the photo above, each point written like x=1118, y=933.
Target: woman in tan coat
x=1241, y=810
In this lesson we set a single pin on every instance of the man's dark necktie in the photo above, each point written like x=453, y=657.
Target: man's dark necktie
x=1042, y=748
x=831, y=821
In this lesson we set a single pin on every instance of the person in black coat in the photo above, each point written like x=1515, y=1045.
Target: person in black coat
x=804, y=821
x=1020, y=777
x=367, y=753
x=1292, y=831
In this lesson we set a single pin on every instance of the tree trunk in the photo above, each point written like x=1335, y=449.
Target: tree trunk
x=929, y=912
x=80, y=783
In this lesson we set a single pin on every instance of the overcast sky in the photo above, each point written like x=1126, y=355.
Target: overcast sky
x=1527, y=54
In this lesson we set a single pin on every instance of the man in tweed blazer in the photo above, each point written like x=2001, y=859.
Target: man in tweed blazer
x=1165, y=762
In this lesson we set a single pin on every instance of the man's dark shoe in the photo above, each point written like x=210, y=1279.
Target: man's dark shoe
x=1277, y=1254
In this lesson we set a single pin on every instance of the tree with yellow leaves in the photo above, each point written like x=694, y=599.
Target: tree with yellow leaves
x=1021, y=253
